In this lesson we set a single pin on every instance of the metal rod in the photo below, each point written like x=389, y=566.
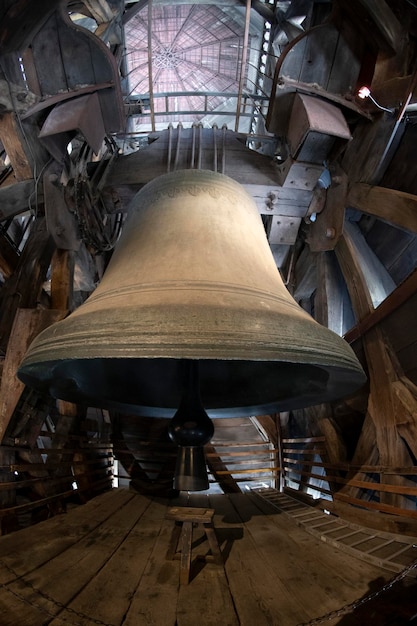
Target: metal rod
x=243, y=63
x=224, y=129
x=215, y=147
x=193, y=147
x=200, y=147
x=169, y=147
x=151, y=100
x=177, y=151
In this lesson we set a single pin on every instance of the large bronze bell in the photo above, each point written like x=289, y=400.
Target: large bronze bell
x=192, y=278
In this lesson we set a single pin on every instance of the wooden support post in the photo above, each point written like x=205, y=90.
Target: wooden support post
x=381, y=441
x=62, y=279
x=28, y=323
x=7, y=497
x=270, y=425
x=66, y=423
x=330, y=301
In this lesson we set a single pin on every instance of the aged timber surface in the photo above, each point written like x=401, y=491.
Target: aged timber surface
x=105, y=563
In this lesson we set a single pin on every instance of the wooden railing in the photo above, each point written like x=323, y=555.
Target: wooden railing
x=306, y=470
x=37, y=483
x=243, y=463
x=229, y=464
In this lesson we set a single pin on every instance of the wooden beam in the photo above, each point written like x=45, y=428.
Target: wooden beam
x=8, y=257
x=328, y=301
x=15, y=199
x=62, y=279
x=305, y=274
x=24, y=287
x=133, y=10
x=100, y=10
x=392, y=206
x=393, y=302
x=61, y=222
x=377, y=282
x=27, y=324
x=11, y=137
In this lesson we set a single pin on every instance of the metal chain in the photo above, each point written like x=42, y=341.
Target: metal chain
x=348, y=608
x=46, y=596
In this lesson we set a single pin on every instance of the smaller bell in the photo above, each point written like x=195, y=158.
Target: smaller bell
x=191, y=428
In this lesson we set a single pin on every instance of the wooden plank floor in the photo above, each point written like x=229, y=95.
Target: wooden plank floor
x=105, y=563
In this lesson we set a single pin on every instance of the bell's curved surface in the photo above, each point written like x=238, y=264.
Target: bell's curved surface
x=192, y=277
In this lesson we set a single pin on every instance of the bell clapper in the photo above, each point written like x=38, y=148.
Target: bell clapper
x=191, y=428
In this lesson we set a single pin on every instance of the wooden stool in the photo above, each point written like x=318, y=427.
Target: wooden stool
x=185, y=518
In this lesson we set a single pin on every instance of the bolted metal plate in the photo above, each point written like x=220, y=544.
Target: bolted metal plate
x=299, y=175
x=284, y=229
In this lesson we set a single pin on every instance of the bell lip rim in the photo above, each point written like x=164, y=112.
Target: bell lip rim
x=325, y=359
x=342, y=382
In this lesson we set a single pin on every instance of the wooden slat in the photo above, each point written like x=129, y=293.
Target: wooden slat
x=259, y=593
x=248, y=470
x=346, y=467
x=312, y=487
x=28, y=467
x=81, y=561
x=304, y=440
x=129, y=561
x=80, y=522
x=376, y=506
x=362, y=484
x=23, y=508
x=302, y=451
x=155, y=597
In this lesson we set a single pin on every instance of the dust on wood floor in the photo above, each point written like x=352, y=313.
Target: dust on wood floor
x=105, y=563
